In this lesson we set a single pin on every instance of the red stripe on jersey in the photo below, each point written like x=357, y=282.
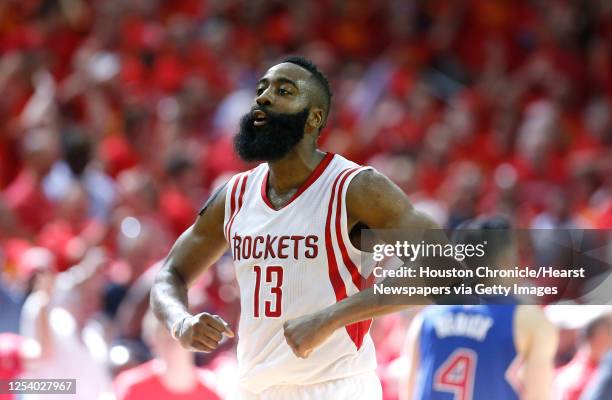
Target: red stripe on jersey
x=232, y=206
x=244, y=178
x=358, y=330
x=332, y=266
x=356, y=277
x=316, y=173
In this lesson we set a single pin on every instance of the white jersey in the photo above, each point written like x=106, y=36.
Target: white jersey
x=292, y=262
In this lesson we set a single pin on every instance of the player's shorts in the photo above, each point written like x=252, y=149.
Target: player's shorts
x=359, y=387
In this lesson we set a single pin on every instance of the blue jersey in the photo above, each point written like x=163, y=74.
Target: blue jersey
x=466, y=353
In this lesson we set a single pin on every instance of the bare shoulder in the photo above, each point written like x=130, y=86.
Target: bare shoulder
x=375, y=200
x=212, y=213
x=371, y=183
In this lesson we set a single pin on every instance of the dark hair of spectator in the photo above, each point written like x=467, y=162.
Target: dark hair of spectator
x=595, y=325
x=495, y=230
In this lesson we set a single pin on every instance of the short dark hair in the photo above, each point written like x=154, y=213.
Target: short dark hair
x=318, y=76
x=595, y=325
x=496, y=230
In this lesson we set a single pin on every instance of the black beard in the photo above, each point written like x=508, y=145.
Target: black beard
x=271, y=141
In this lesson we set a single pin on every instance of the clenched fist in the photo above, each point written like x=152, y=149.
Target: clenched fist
x=306, y=333
x=202, y=332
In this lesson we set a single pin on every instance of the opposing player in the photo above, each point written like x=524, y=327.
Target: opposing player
x=292, y=226
x=481, y=352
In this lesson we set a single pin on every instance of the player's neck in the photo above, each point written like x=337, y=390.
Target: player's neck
x=291, y=171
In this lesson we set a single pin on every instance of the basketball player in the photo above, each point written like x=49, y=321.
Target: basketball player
x=292, y=227
x=481, y=352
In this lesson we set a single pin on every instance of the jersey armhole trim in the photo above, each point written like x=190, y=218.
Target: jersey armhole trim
x=356, y=331
x=236, y=203
x=343, y=236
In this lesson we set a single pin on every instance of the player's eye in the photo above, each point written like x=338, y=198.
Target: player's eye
x=259, y=91
x=283, y=92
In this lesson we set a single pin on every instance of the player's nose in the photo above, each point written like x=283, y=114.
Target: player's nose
x=264, y=98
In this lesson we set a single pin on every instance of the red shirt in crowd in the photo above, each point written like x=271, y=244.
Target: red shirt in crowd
x=11, y=364
x=572, y=378
x=25, y=197
x=143, y=382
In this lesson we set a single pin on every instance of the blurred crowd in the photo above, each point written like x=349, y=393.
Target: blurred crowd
x=117, y=118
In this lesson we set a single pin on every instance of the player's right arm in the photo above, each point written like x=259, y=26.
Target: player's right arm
x=193, y=253
x=536, y=341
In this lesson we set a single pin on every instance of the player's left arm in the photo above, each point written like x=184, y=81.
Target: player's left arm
x=375, y=201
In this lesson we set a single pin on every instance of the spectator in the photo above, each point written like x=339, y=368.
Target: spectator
x=571, y=379
x=78, y=165
x=72, y=232
x=17, y=354
x=600, y=386
x=10, y=304
x=172, y=375
x=25, y=195
x=177, y=202
x=61, y=316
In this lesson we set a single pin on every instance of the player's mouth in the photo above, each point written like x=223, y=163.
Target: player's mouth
x=260, y=118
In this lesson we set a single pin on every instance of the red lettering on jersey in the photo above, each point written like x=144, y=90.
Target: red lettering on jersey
x=296, y=246
x=269, y=246
x=282, y=246
x=247, y=247
x=257, y=254
x=311, y=244
x=247, y=242
x=237, y=239
x=275, y=290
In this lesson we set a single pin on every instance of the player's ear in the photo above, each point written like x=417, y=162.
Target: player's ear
x=315, y=118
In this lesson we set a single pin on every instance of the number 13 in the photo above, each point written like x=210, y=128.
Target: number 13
x=275, y=289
